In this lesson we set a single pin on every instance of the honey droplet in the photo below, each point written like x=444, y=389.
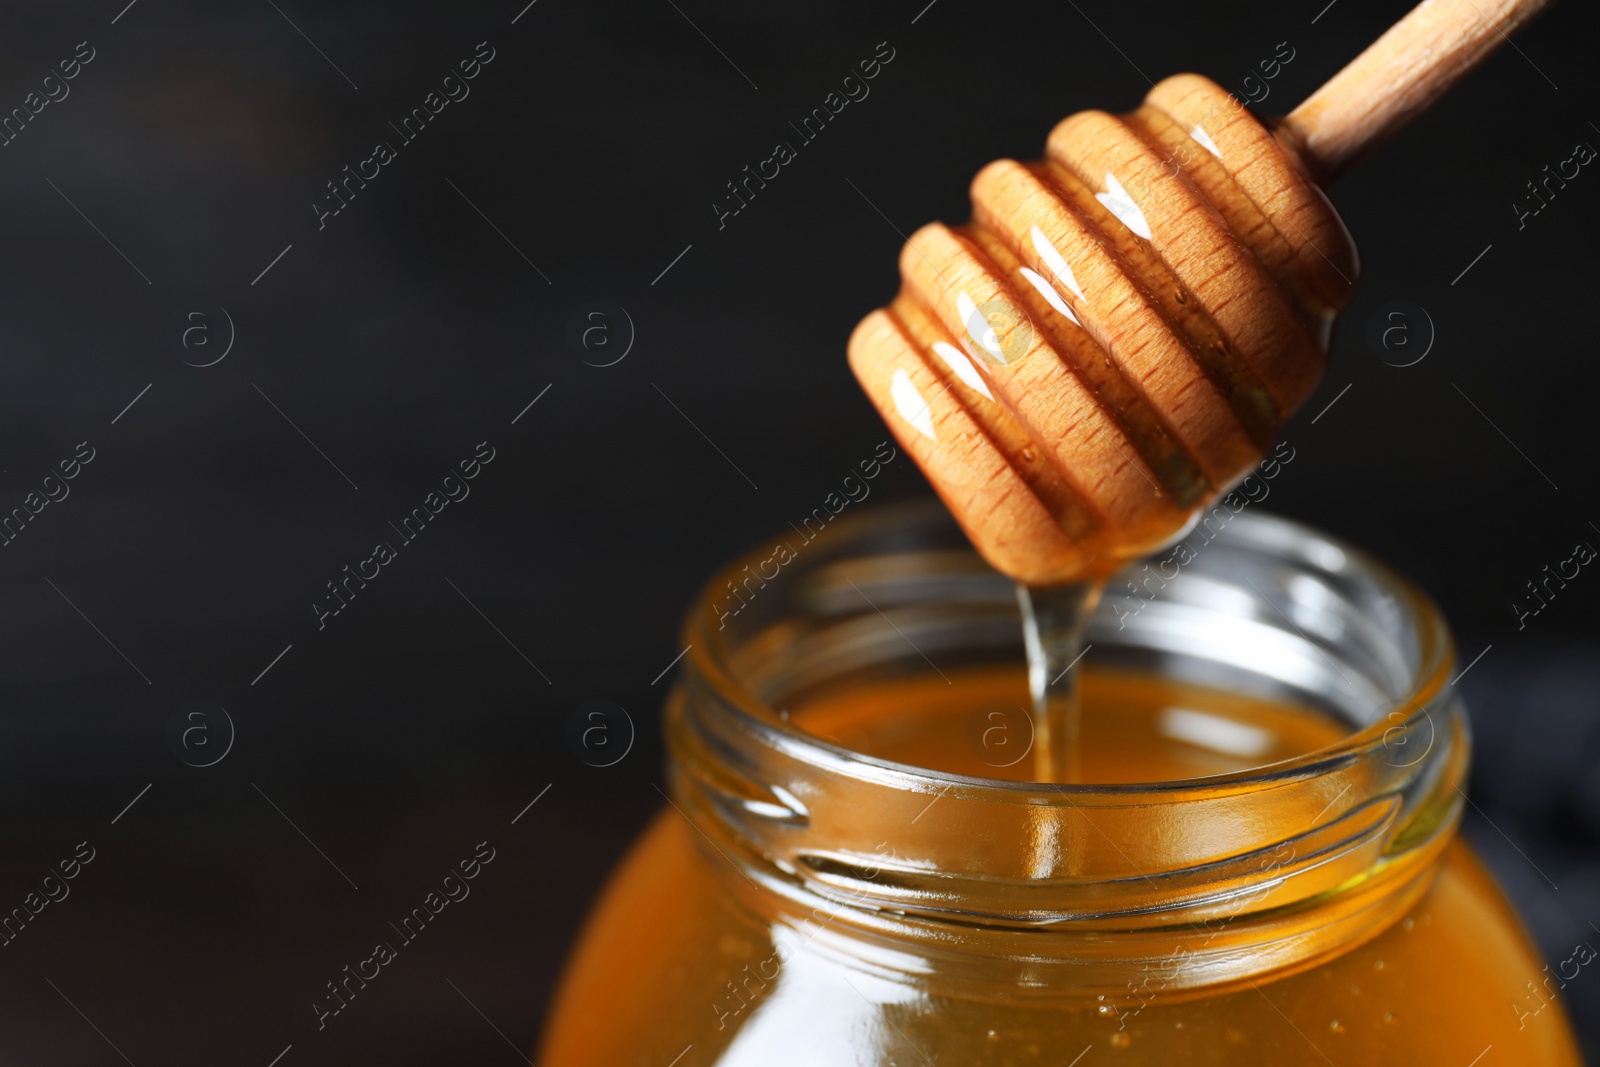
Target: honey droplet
x=1407, y=923
x=1027, y=455
x=993, y=1036
x=1120, y=1039
x=1388, y=1016
x=1378, y=966
x=1336, y=1026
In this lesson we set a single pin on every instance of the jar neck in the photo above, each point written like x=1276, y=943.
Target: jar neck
x=1200, y=881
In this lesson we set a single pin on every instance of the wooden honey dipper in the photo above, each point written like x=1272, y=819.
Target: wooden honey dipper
x=1124, y=327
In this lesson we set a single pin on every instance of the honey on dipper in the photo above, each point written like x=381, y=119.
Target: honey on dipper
x=894, y=840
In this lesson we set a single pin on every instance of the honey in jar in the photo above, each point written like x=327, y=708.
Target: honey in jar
x=1256, y=865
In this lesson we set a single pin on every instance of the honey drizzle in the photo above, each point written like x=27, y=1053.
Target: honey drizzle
x=1054, y=620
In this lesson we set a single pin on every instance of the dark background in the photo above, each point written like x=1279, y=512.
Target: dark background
x=413, y=327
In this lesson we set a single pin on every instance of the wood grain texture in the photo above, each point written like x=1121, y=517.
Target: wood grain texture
x=1116, y=335
x=1412, y=65
x=1123, y=327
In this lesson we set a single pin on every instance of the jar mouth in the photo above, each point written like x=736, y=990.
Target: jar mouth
x=1228, y=866
x=1417, y=670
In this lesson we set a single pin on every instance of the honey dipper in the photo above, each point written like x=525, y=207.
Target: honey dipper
x=1124, y=327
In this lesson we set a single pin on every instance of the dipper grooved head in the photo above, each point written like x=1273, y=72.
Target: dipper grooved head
x=1116, y=336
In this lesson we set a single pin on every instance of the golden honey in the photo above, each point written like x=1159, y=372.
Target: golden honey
x=1258, y=864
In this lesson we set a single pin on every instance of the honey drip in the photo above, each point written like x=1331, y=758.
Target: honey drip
x=1054, y=620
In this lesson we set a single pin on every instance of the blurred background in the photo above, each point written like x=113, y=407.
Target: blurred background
x=268, y=372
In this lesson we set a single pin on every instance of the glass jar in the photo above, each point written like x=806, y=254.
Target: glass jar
x=798, y=902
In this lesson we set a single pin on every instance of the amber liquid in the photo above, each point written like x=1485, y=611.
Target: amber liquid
x=665, y=966
x=1131, y=728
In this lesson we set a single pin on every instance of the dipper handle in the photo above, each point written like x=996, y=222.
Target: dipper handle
x=1399, y=76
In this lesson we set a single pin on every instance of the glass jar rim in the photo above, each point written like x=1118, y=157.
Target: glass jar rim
x=709, y=656
x=1240, y=872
